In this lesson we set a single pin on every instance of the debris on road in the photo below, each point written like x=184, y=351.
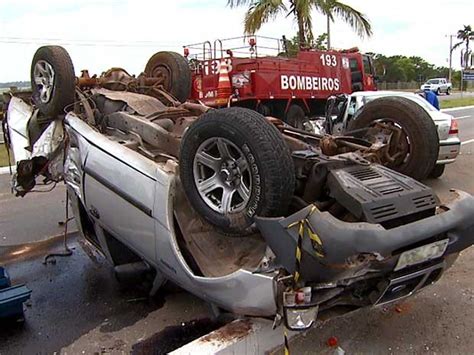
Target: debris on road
x=332, y=342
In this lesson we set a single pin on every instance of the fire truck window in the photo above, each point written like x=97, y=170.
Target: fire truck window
x=353, y=64
x=366, y=65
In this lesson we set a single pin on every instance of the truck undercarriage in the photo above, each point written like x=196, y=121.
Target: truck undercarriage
x=247, y=199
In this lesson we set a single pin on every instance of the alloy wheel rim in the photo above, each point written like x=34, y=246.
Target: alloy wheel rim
x=44, y=80
x=222, y=175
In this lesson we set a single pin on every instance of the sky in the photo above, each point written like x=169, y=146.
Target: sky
x=100, y=34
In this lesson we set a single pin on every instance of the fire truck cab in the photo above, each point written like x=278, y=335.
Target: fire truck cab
x=264, y=77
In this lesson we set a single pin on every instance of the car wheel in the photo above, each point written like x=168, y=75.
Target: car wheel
x=448, y=92
x=296, y=117
x=234, y=165
x=174, y=70
x=53, y=80
x=418, y=145
x=438, y=91
x=437, y=171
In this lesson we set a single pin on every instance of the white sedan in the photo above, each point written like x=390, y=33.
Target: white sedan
x=447, y=127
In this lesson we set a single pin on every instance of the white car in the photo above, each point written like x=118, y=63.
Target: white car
x=447, y=127
x=437, y=85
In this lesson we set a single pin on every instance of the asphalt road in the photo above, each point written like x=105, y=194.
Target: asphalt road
x=455, y=95
x=78, y=307
x=32, y=218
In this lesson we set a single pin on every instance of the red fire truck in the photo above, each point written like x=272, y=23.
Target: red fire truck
x=265, y=78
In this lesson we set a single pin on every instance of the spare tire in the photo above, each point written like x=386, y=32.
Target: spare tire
x=175, y=71
x=234, y=165
x=419, y=134
x=52, y=80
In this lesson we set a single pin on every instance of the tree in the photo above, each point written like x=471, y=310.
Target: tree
x=356, y=19
x=292, y=46
x=465, y=35
x=262, y=11
x=401, y=68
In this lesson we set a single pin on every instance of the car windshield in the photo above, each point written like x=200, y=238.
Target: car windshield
x=433, y=81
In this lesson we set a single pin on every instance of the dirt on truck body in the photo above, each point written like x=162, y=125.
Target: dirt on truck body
x=253, y=215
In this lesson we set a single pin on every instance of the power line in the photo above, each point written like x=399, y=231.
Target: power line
x=85, y=43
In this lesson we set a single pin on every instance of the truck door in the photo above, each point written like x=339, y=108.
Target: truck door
x=356, y=75
x=119, y=193
x=369, y=73
x=444, y=85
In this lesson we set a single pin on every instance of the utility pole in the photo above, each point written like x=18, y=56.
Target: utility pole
x=450, y=57
x=329, y=31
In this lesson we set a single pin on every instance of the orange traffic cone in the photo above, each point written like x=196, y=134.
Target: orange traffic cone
x=224, y=88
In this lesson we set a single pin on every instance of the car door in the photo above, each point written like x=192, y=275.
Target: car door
x=444, y=85
x=119, y=191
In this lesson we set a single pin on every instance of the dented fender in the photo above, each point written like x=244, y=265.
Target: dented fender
x=350, y=250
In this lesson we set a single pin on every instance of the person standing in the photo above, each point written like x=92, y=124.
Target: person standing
x=431, y=97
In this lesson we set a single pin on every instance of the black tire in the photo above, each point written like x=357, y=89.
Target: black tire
x=264, y=109
x=175, y=70
x=416, y=124
x=448, y=91
x=437, y=171
x=64, y=84
x=438, y=92
x=270, y=166
x=295, y=116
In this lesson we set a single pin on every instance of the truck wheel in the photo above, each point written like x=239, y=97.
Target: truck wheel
x=448, y=92
x=234, y=165
x=419, y=143
x=52, y=80
x=264, y=109
x=175, y=72
x=296, y=117
x=438, y=91
x=437, y=171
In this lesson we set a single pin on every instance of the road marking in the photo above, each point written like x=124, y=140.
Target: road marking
x=457, y=108
x=468, y=141
x=462, y=117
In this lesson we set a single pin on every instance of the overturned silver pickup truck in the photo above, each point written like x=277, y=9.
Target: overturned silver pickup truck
x=248, y=213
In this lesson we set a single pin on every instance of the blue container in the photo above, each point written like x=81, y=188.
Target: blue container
x=11, y=297
x=4, y=279
x=11, y=301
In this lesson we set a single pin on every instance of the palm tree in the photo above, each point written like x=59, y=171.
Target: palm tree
x=465, y=35
x=262, y=11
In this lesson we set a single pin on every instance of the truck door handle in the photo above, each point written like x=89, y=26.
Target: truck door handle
x=93, y=211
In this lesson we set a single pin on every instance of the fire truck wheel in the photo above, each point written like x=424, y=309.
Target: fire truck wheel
x=234, y=165
x=417, y=147
x=52, y=80
x=296, y=117
x=174, y=70
x=264, y=110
